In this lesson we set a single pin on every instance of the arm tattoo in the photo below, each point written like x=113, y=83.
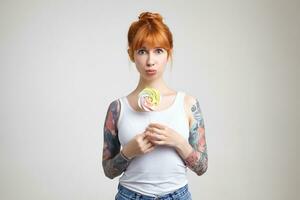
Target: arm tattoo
x=113, y=162
x=198, y=159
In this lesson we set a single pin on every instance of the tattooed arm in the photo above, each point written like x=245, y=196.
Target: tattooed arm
x=113, y=161
x=197, y=160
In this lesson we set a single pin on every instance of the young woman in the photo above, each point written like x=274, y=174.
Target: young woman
x=157, y=146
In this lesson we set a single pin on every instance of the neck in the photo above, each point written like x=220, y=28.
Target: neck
x=158, y=84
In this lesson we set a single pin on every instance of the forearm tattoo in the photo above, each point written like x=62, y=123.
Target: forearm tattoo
x=113, y=162
x=198, y=159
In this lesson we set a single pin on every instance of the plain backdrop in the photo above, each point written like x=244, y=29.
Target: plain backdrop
x=63, y=62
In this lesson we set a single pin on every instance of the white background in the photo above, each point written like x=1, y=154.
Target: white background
x=63, y=62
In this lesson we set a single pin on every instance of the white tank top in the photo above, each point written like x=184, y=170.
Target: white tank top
x=161, y=171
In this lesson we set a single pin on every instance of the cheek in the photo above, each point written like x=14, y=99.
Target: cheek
x=138, y=65
x=139, y=61
x=164, y=60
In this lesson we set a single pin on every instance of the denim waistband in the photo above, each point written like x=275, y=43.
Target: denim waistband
x=135, y=195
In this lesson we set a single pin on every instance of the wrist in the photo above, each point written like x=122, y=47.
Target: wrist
x=181, y=144
x=184, y=149
x=125, y=155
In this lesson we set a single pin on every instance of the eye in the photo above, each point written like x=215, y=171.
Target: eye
x=159, y=51
x=141, y=51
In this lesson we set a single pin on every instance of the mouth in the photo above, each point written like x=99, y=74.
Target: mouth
x=151, y=72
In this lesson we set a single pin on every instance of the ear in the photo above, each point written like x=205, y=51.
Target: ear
x=129, y=55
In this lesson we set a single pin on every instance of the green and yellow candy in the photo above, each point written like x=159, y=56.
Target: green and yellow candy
x=149, y=99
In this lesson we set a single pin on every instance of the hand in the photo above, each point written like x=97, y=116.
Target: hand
x=140, y=144
x=159, y=134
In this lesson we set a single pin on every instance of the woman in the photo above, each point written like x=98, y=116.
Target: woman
x=157, y=146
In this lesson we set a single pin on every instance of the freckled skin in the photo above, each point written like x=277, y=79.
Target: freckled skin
x=198, y=159
x=113, y=162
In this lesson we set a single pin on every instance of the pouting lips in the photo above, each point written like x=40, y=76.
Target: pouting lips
x=150, y=71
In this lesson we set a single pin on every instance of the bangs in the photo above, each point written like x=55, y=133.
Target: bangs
x=153, y=38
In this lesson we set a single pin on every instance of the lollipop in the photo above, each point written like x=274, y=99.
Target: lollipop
x=149, y=99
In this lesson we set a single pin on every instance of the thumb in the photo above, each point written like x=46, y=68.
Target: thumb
x=142, y=135
x=145, y=134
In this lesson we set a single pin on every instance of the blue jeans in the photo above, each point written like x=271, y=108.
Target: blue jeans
x=127, y=194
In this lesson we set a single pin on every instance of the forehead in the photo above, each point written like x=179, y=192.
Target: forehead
x=149, y=42
x=149, y=46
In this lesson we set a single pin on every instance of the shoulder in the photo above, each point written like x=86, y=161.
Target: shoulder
x=113, y=111
x=192, y=108
x=189, y=102
x=114, y=105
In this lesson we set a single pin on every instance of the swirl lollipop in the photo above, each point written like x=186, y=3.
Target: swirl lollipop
x=149, y=99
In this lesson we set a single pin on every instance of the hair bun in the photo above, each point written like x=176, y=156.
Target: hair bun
x=149, y=15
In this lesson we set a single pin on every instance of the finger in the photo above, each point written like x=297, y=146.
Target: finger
x=156, y=125
x=149, y=145
x=148, y=138
x=159, y=142
x=155, y=137
x=150, y=149
x=154, y=130
x=146, y=135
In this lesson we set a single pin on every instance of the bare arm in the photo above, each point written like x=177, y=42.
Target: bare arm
x=113, y=161
x=197, y=160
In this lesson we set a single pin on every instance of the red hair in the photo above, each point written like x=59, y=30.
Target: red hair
x=149, y=29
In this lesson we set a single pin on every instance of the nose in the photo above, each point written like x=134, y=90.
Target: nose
x=150, y=60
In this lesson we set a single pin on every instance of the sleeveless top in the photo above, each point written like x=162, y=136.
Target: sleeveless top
x=162, y=170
